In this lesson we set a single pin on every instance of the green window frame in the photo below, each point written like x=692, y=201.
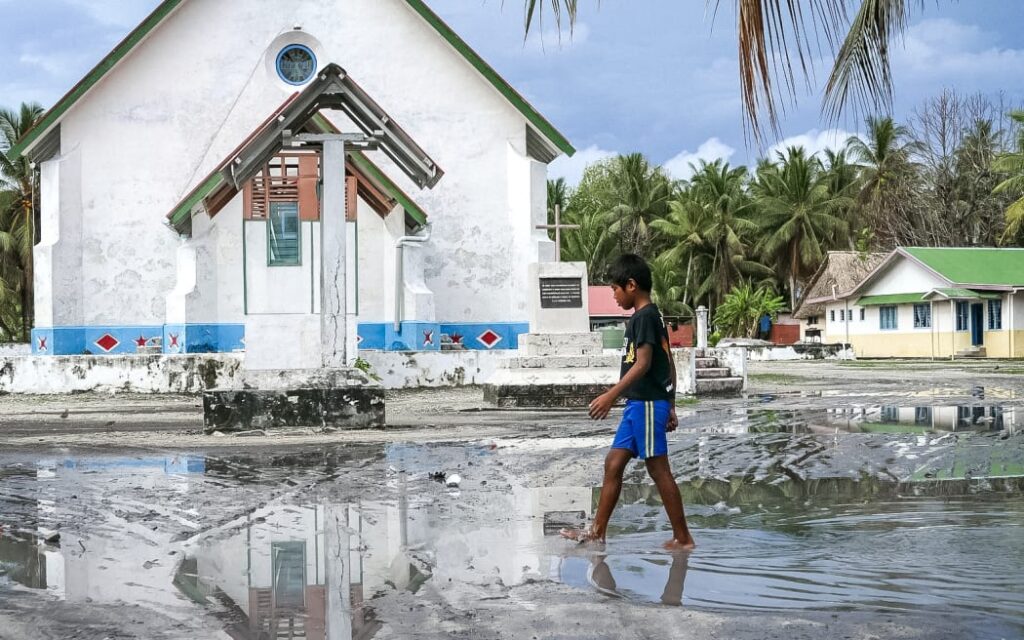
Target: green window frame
x=284, y=235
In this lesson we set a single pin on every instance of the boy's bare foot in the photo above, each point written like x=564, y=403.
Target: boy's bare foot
x=675, y=545
x=581, y=536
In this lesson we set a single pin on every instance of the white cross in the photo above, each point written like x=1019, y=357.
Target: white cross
x=558, y=226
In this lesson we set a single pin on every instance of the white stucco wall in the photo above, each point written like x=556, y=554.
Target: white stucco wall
x=904, y=276
x=161, y=122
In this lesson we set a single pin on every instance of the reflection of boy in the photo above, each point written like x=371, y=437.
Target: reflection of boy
x=600, y=575
x=648, y=382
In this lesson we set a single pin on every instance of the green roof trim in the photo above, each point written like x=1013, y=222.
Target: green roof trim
x=973, y=266
x=183, y=212
x=89, y=81
x=966, y=294
x=411, y=208
x=53, y=116
x=492, y=76
x=891, y=298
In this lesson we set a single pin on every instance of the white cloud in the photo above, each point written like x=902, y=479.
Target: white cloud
x=572, y=168
x=679, y=166
x=955, y=53
x=814, y=141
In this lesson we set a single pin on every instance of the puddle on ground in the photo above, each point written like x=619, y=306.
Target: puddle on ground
x=331, y=543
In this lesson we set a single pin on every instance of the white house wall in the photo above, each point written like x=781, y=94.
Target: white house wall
x=904, y=276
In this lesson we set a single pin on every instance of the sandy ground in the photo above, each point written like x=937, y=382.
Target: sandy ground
x=445, y=428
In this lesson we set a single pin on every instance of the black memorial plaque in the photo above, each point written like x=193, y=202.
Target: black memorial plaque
x=561, y=293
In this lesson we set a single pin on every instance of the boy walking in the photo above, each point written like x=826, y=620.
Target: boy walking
x=648, y=382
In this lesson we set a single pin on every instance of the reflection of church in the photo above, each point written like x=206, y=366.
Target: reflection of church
x=293, y=571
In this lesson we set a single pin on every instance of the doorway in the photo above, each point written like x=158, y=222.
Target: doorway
x=977, y=324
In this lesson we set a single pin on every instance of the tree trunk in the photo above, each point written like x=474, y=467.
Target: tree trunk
x=794, y=265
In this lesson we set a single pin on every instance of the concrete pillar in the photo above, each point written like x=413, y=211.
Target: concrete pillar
x=333, y=248
x=702, y=327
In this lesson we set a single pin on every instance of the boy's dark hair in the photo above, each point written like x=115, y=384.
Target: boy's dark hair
x=631, y=267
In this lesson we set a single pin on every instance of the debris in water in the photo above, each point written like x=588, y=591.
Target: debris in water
x=453, y=480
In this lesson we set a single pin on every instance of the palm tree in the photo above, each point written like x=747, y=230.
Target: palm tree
x=638, y=194
x=799, y=216
x=1012, y=164
x=18, y=223
x=888, y=178
x=667, y=290
x=683, y=225
x=593, y=243
x=728, y=228
x=558, y=196
x=772, y=33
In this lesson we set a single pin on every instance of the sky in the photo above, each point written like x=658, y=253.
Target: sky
x=655, y=76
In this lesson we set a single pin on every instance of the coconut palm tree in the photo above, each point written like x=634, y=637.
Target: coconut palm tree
x=889, y=181
x=771, y=34
x=800, y=217
x=1011, y=163
x=728, y=230
x=18, y=215
x=638, y=194
x=683, y=226
x=558, y=196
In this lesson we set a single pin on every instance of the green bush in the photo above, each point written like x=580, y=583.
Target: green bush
x=741, y=311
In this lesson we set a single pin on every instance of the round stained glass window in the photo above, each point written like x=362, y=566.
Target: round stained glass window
x=296, y=64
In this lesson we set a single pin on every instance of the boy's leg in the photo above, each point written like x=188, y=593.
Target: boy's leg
x=614, y=466
x=660, y=471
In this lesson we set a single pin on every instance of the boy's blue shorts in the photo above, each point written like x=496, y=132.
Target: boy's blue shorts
x=642, y=430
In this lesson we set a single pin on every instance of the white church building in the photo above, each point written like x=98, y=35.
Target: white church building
x=175, y=220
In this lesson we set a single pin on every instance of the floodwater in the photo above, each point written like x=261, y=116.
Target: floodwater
x=795, y=512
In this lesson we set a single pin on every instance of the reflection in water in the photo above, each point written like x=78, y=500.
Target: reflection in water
x=317, y=566
x=860, y=419
x=598, y=574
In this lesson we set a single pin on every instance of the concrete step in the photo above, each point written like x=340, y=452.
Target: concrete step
x=713, y=372
x=561, y=344
x=706, y=363
x=598, y=361
x=719, y=386
x=973, y=352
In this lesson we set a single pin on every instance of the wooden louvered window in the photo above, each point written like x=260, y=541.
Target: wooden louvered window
x=287, y=178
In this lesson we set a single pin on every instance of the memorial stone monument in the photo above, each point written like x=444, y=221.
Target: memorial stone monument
x=560, y=363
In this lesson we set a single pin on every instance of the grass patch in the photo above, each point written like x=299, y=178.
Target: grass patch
x=781, y=378
x=687, y=401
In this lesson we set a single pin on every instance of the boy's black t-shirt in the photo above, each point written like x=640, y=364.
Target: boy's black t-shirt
x=647, y=327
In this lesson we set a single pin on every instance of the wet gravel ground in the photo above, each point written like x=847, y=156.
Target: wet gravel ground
x=867, y=500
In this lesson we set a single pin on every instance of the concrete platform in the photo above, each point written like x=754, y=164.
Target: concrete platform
x=338, y=398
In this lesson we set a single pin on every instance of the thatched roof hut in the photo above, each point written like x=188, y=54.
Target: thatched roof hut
x=839, y=274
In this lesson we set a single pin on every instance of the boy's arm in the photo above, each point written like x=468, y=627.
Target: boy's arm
x=601, y=405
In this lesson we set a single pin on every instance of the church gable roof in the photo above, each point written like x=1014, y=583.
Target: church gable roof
x=51, y=120
x=332, y=89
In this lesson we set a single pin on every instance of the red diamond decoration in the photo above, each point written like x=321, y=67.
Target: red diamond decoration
x=489, y=338
x=107, y=342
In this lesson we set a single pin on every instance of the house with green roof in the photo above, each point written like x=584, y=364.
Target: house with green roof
x=181, y=195
x=932, y=302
